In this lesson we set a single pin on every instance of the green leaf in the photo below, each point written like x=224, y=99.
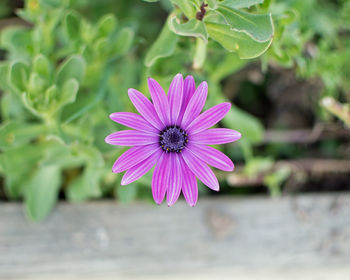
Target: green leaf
x=42, y=65
x=69, y=91
x=16, y=39
x=193, y=27
x=106, y=25
x=128, y=193
x=4, y=73
x=14, y=133
x=36, y=84
x=258, y=27
x=41, y=191
x=239, y=4
x=249, y=126
x=17, y=162
x=18, y=75
x=164, y=46
x=71, y=24
x=235, y=41
x=212, y=4
x=124, y=40
x=72, y=67
x=188, y=7
x=85, y=186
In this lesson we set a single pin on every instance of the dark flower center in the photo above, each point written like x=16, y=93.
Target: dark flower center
x=173, y=139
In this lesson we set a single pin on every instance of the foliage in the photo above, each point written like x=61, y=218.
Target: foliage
x=69, y=66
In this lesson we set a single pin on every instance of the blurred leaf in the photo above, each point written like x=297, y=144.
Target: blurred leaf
x=235, y=41
x=42, y=66
x=128, y=193
x=106, y=25
x=4, y=69
x=188, y=7
x=19, y=73
x=164, y=46
x=71, y=25
x=259, y=27
x=212, y=4
x=231, y=63
x=14, y=133
x=124, y=41
x=258, y=165
x=193, y=27
x=72, y=67
x=249, y=126
x=69, y=91
x=17, y=164
x=151, y=1
x=36, y=83
x=16, y=39
x=41, y=191
x=275, y=180
x=238, y=4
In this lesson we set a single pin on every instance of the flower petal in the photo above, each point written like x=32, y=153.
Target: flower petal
x=160, y=101
x=131, y=138
x=133, y=156
x=145, y=108
x=200, y=169
x=175, y=179
x=195, y=105
x=133, y=120
x=209, y=118
x=175, y=96
x=189, y=89
x=189, y=184
x=212, y=156
x=215, y=136
x=140, y=169
x=160, y=178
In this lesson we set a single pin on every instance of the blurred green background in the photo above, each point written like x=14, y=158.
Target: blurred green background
x=66, y=65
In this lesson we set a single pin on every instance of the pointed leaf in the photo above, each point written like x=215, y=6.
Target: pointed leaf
x=258, y=27
x=72, y=67
x=235, y=41
x=164, y=46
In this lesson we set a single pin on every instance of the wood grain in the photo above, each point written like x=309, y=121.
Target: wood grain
x=303, y=237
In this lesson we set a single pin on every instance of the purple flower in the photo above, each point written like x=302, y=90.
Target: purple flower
x=172, y=134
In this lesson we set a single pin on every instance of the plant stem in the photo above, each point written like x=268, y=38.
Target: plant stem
x=200, y=54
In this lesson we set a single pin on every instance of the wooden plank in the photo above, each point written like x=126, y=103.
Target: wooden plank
x=302, y=237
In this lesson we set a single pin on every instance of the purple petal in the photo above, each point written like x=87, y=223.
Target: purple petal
x=209, y=118
x=212, y=156
x=160, y=179
x=133, y=120
x=195, y=105
x=215, y=136
x=140, y=169
x=160, y=101
x=189, y=184
x=175, y=179
x=188, y=91
x=175, y=95
x=200, y=169
x=131, y=138
x=133, y=156
x=145, y=108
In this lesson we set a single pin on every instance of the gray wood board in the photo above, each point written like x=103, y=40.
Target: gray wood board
x=301, y=237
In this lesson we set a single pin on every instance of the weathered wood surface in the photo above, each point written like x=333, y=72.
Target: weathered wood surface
x=303, y=237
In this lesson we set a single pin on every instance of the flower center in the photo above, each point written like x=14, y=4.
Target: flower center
x=173, y=139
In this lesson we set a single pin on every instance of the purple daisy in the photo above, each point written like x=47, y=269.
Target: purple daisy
x=172, y=134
